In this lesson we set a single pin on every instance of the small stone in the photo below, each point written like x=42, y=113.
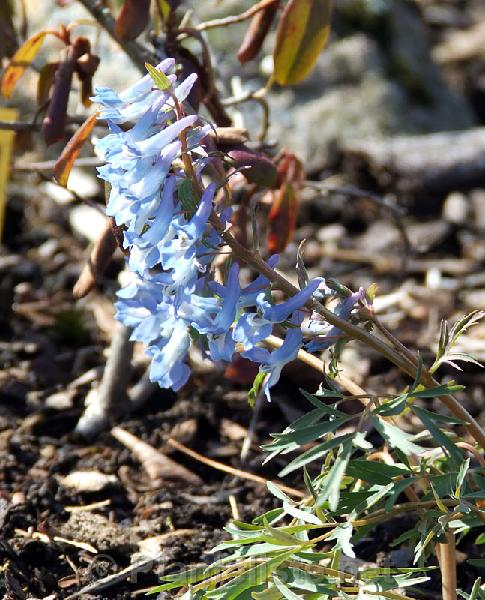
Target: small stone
x=331, y=234
x=456, y=208
x=87, y=221
x=48, y=248
x=428, y=235
x=87, y=481
x=380, y=235
x=58, y=193
x=63, y=400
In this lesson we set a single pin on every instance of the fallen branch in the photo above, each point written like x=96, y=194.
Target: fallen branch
x=156, y=464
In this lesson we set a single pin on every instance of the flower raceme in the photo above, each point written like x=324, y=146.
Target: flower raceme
x=173, y=300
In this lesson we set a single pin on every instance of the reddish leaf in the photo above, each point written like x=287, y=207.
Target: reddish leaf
x=302, y=33
x=54, y=122
x=290, y=168
x=133, y=19
x=98, y=262
x=255, y=167
x=257, y=32
x=65, y=162
x=20, y=61
x=282, y=217
x=229, y=136
x=85, y=68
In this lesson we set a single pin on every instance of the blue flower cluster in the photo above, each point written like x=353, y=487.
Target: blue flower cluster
x=174, y=300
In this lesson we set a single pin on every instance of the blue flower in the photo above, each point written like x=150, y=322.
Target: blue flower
x=343, y=310
x=277, y=313
x=273, y=362
x=251, y=329
x=174, y=300
x=169, y=368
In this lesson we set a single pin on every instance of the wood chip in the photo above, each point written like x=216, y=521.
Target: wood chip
x=87, y=481
x=156, y=464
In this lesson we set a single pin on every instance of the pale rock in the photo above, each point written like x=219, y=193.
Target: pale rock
x=87, y=481
x=87, y=221
x=456, y=208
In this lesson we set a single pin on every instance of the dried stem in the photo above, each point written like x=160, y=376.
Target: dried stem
x=231, y=470
x=447, y=558
x=317, y=364
x=236, y=18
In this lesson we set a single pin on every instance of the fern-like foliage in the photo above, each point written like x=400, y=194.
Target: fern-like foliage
x=448, y=338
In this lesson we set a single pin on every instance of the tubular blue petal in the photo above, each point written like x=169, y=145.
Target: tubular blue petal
x=277, y=313
x=155, y=143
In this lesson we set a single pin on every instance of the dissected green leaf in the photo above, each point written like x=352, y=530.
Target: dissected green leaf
x=281, y=538
x=477, y=592
x=302, y=33
x=343, y=534
x=477, y=562
x=393, y=407
x=159, y=78
x=395, y=437
x=291, y=440
x=272, y=516
x=397, y=489
x=277, y=493
x=285, y=590
x=371, y=500
x=314, y=453
x=461, y=477
x=249, y=579
x=315, y=400
x=448, y=339
x=428, y=420
x=374, y=472
x=187, y=577
x=330, y=489
x=395, y=582
x=302, y=515
x=439, y=390
x=270, y=593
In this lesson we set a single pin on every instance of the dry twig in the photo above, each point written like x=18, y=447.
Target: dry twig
x=231, y=470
